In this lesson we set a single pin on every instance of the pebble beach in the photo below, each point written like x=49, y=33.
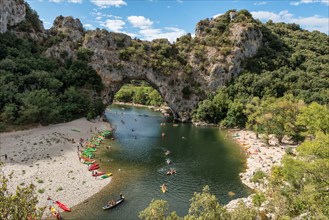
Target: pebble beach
x=260, y=156
x=47, y=156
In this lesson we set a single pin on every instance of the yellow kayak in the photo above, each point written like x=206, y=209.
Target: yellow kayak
x=164, y=188
x=55, y=213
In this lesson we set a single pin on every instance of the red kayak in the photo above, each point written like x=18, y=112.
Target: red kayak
x=98, y=174
x=62, y=206
x=93, y=168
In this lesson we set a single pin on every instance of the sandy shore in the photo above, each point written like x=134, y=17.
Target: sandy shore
x=259, y=157
x=47, y=157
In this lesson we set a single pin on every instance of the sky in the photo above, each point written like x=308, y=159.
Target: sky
x=151, y=19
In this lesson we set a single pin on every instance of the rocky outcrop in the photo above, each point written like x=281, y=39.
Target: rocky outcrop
x=12, y=12
x=182, y=78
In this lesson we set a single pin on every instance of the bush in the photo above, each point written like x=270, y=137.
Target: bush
x=258, y=176
x=258, y=199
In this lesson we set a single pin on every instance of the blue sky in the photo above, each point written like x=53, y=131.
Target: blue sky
x=150, y=19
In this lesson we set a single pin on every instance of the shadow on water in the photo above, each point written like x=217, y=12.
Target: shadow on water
x=201, y=155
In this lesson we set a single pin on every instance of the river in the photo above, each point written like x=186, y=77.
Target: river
x=201, y=155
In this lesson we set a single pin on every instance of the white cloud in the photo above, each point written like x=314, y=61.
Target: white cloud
x=46, y=24
x=113, y=25
x=88, y=26
x=75, y=1
x=170, y=33
x=132, y=35
x=179, y=1
x=215, y=16
x=260, y=3
x=108, y=3
x=69, y=1
x=326, y=2
x=140, y=22
x=314, y=22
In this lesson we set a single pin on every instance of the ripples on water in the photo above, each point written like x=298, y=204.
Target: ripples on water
x=200, y=155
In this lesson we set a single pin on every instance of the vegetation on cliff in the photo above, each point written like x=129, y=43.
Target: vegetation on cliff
x=35, y=89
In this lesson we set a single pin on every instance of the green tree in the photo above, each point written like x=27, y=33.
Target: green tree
x=314, y=118
x=253, y=111
x=39, y=106
x=9, y=113
x=205, y=206
x=300, y=185
x=22, y=204
x=158, y=209
x=235, y=115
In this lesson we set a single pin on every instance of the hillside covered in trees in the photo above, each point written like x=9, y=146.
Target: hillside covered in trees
x=292, y=61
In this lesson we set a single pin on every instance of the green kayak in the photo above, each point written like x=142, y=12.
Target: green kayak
x=106, y=176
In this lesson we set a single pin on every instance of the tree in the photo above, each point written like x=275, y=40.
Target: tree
x=22, y=204
x=39, y=106
x=300, y=185
x=235, y=115
x=253, y=111
x=314, y=118
x=9, y=113
x=158, y=209
x=205, y=206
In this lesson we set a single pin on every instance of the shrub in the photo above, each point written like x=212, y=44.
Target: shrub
x=258, y=176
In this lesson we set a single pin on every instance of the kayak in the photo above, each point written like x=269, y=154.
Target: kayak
x=62, y=206
x=119, y=201
x=89, y=162
x=168, y=161
x=55, y=213
x=98, y=174
x=163, y=188
x=106, y=175
x=90, y=150
x=93, y=168
x=87, y=159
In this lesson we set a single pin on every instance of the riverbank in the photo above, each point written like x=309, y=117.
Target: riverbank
x=260, y=157
x=47, y=156
x=165, y=110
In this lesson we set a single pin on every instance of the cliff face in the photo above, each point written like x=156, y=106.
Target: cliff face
x=11, y=13
x=183, y=73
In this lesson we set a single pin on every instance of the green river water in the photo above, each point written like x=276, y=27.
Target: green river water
x=201, y=155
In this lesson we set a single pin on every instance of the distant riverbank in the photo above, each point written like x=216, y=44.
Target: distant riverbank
x=260, y=157
x=164, y=109
x=47, y=157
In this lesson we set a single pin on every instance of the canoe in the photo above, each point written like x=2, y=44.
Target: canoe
x=106, y=175
x=55, y=213
x=62, y=206
x=87, y=159
x=119, y=201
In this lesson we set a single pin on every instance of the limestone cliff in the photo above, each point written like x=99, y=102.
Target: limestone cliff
x=11, y=13
x=183, y=73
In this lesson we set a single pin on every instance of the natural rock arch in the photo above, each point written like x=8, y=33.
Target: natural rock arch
x=184, y=72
